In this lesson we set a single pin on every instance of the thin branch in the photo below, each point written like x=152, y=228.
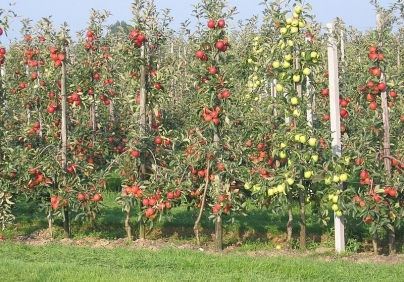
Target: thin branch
x=196, y=225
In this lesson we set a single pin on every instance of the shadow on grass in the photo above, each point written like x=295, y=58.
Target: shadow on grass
x=27, y=218
x=262, y=225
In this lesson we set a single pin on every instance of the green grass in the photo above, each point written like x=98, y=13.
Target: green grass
x=259, y=231
x=66, y=263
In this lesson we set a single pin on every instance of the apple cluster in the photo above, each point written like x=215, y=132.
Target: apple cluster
x=56, y=57
x=91, y=36
x=334, y=198
x=292, y=25
x=2, y=55
x=219, y=24
x=374, y=86
x=137, y=37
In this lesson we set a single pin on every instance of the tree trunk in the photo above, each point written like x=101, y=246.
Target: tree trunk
x=66, y=224
x=111, y=112
x=392, y=240
x=289, y=225
x=302, y=202
x=50, y=229
x=219, y=233
x=142, y=229
x=127, y=225
x=375, y=243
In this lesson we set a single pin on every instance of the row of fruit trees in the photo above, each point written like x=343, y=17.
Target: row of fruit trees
x=214, y=116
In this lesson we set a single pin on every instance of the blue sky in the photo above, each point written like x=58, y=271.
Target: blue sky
x=358, y=13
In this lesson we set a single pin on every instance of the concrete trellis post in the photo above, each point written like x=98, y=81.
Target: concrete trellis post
x=335, y=126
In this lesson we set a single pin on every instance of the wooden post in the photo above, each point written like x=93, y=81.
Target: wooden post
x=399, y=48
x=335, y=126
x=143, y=96
x=302, y=192
x=218, y=219
x=66, y=223
x=342, y=46
x=386, y=151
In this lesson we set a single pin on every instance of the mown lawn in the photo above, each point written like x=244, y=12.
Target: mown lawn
x=258, y=232
x=19, y=262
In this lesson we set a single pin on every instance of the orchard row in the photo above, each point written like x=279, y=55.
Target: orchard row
x=214, y=121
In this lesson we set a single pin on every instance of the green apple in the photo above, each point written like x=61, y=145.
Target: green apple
x=249, y=61
x=270, y=192
x=302, y=24
x=327, y=180
x=306, y=71
x=294, y=29
x=314, y=55
x=335, y=199
x=281, y=188
x=308, y=174
x=288, y=57
x=294, y=100
x=347, y=160
x=279, y=87
x=312, y=141
x=276, y=64
x=339, y=213
x=290, y=162
x=295, y=15
x=282, y=155
x=297, y=137
x=257, y=187
x=343, y=177
x=283, y=30
x=330, y=196
x=335, y=178
x=303, y=139
x=314, y=158
x=296, y=113
x=298, y=9
x=290, y=181
x=278, y=247
x=283, y=145
x=285, y=65
x=282, y=45
x=281, y=75
x=334, y=207
x=290, y=43
x=295, y=22
x=296, y=78
x=247, y=185
x=288, y=20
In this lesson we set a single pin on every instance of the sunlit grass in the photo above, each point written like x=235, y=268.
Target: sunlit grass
x=67, y=263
